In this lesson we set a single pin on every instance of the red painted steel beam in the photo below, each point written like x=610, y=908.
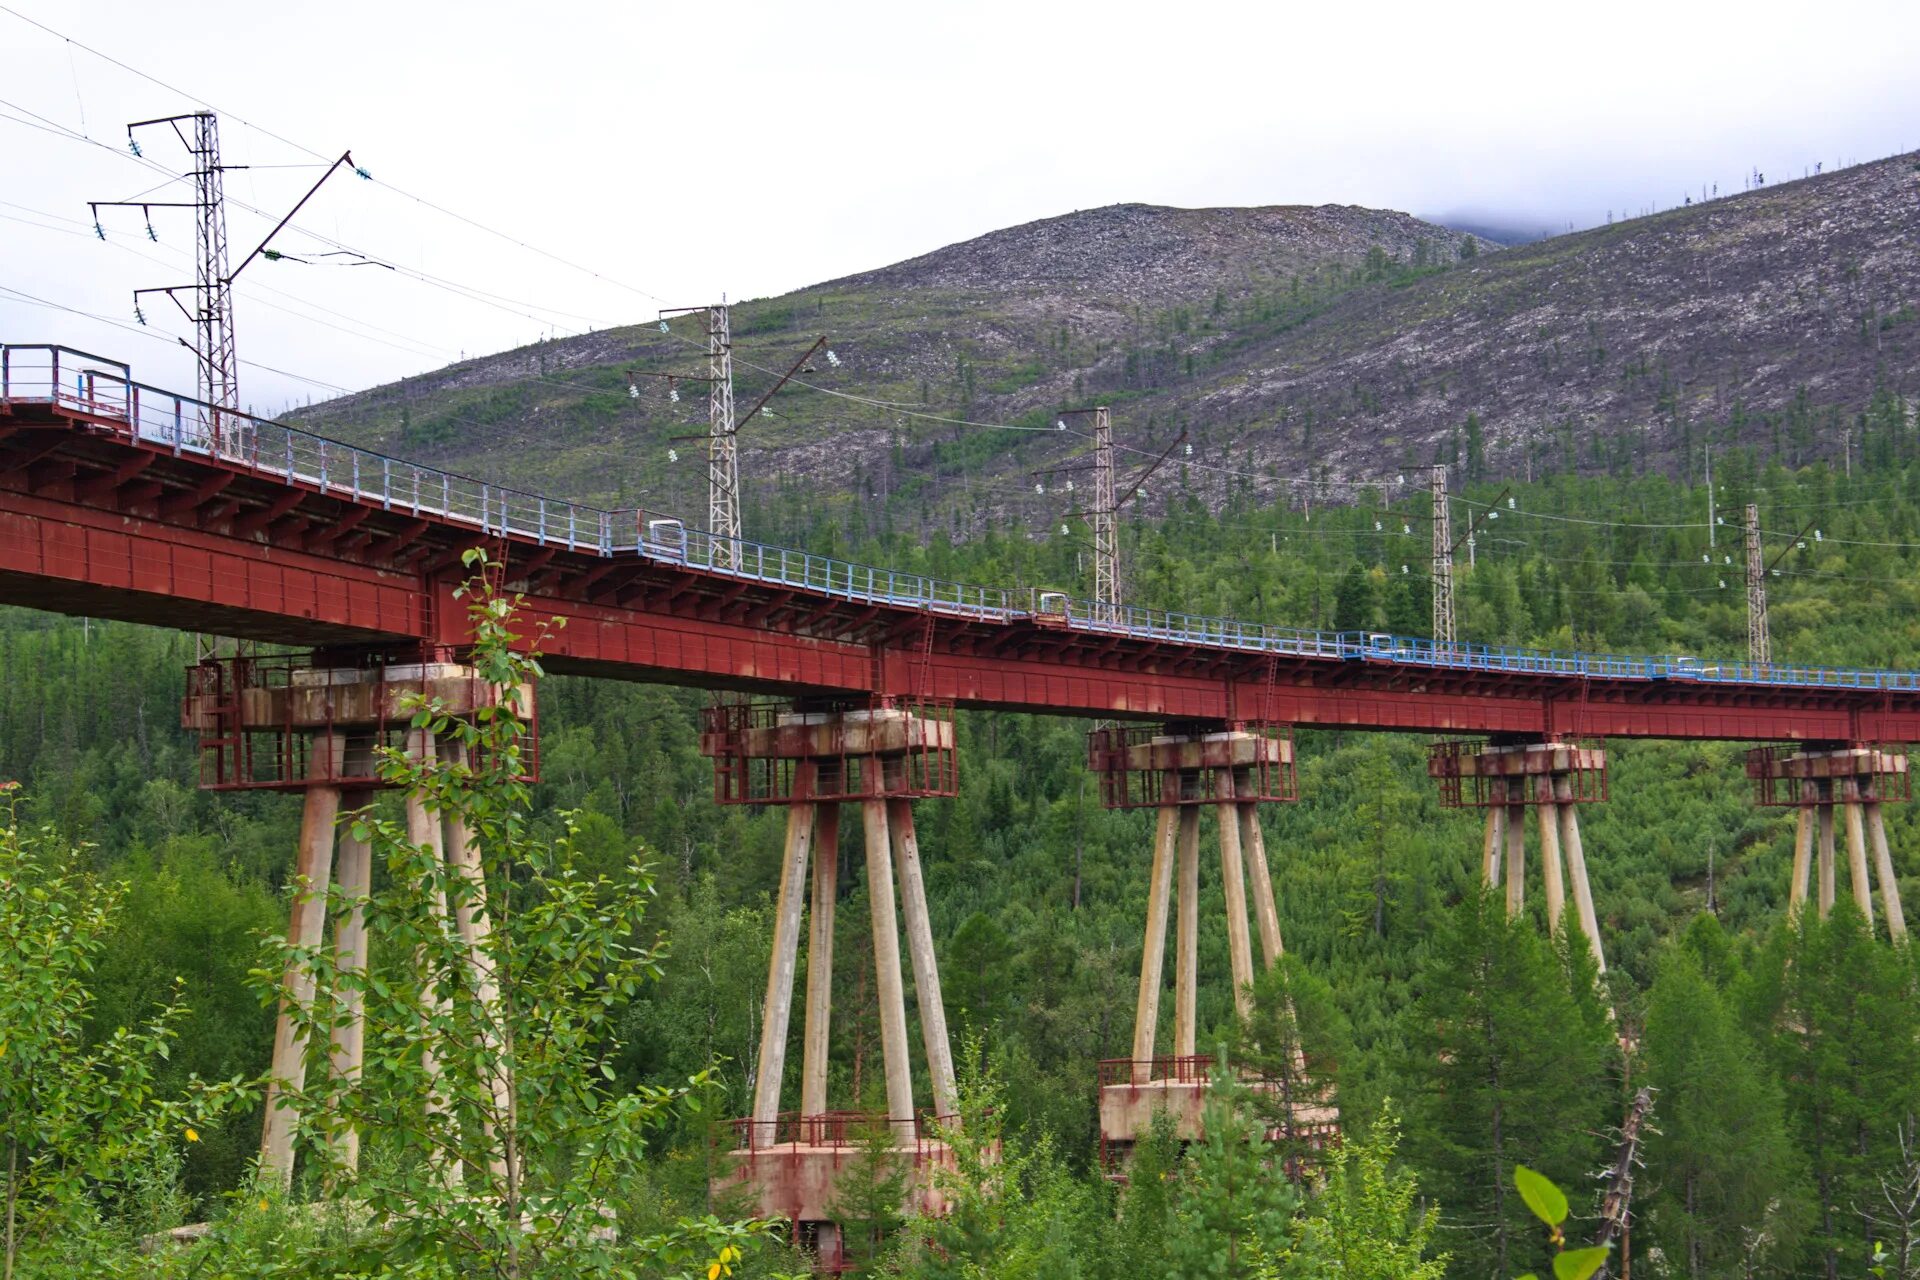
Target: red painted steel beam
x=171, y=560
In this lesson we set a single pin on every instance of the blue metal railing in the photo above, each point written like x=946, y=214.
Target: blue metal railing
x=42, y=374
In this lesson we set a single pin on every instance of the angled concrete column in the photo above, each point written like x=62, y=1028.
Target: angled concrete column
x=1491, y=853
x=926, y=969
x=1799, y=882
x=1826, y=852
x=1576, y=855
x=1516, y=859
x=1266, y=911
x=305, y=928
x=1857, y=851
x=1883, y=871
x=778, y=1009
x=886, y=963
x=475, y=929
x=424, y=829
x=1233, y=879
x=1153, y=952
x=347, y=1046
x=1550, y=866
x=816, y=1044
x=1186, y=975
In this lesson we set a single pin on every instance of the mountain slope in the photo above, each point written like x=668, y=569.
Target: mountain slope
x=1333, y=341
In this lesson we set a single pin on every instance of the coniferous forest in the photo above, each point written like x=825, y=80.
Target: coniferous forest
x=1783, y=1062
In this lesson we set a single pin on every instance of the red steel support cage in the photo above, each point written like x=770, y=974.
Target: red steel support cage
x=840, y=1129
x=1146, y=766
x=1794, y=775
x=1474, y=774
x=897, y=750
x=258, y=717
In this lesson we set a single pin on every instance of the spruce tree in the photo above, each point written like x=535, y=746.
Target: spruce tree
x=1728, y=1196
x=1233, y=1208
x=1513, y=1069
x=1848, y=1046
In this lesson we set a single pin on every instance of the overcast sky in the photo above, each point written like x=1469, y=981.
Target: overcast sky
x=681, y=150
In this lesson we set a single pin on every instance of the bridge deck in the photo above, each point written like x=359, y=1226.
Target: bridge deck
x=119, y=500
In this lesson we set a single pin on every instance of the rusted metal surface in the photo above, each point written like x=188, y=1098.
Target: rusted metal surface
x=1476, y=775
x=1789, y=775
x=258, y=718
x=855, y=753
x=1146, y=766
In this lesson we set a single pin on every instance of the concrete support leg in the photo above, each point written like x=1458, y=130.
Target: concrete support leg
x=424, y=830
x=1576, y=854
x=312, y=871
x=1266, y=911
x=1153, y=952
x=1883, y=872
x=1496, y=842
x=475, y=929
x=886, y=963
x=778, y=1009
x=1826, y=857
x=1186, y=976
x=1798, y=884
x=1857, y=855
x=1234, y=880
x=1516, y=859
x=1551, y=875
x=347, y=1048
x=816, y=1044
x=926, y=969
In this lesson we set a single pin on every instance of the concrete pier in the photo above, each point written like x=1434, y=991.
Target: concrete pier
x=1553, y=778
x=1181, y=771
x=313, y=724
x=813, y=760
x=1856, y=780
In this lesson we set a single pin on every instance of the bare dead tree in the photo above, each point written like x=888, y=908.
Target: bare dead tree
x=1616, y=1208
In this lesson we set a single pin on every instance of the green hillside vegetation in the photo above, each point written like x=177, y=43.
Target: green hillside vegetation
x=1787, y=1064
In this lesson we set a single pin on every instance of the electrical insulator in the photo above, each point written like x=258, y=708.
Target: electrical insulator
x=1039, y=487
x=1705, y=558
x=1403, y=571
x=1493, y=515
x=633, y=392
x=138, y=315
x=1069, y=486
x=673, y=395
x=1063, y=529
x=1510, y=505
x=663, y=326
x=1189, y=452
x=1059, y=424
x=1723, y=584
x=832, y=359
x=1376, y=526
x=150, y=232
x=1776, y=573
x=99, y=230
x=1405, y=527
x=673, y=455
x=1399, y=479
x=1819, y=536
x=133, y=146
